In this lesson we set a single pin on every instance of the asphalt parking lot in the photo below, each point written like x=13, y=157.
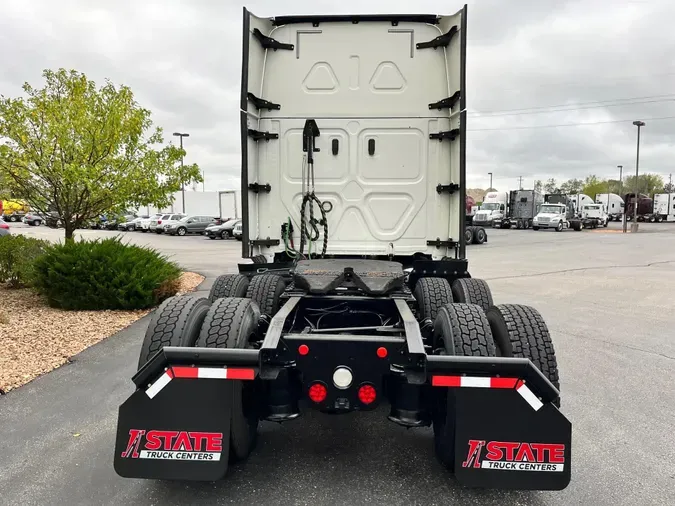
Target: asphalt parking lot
x=608, y=299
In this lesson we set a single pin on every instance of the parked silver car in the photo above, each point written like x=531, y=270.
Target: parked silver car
x=189, y=225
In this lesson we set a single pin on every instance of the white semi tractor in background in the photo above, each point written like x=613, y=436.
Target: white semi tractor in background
x=613, y=203
x=492, y=208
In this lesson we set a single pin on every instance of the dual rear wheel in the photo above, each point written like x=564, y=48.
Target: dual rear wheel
x=228, y=318
x=467, y=323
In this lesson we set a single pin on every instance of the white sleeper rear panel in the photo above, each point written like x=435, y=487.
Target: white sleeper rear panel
x=361, y=83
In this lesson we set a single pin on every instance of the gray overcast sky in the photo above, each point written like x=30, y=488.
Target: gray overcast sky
x=182, y=60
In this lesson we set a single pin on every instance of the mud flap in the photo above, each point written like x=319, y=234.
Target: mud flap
x=181, y=433
x=510, y=440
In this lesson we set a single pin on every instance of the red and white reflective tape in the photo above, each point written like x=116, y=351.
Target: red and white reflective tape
x=183, y=372
x=487, y=382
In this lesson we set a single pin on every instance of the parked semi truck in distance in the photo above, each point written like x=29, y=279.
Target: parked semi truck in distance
x=561, y=211
x=471, y=209
x=664, y=207
x=592, y=216
x=645, y=207
x=613, y=205
x=493, y=208
x=522, y=207
x=579, y=200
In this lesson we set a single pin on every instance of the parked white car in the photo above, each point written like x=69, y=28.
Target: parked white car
x=237, y=231
x=167, y=221
x=144, y=224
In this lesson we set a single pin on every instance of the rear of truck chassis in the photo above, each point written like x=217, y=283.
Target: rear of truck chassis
x=404, y=330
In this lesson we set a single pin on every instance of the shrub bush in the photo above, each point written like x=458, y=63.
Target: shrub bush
x=104, y=274
x=17, y=256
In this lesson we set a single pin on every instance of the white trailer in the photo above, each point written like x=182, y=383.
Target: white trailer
x=664, y=206
x=613, y=203
x=200, y=203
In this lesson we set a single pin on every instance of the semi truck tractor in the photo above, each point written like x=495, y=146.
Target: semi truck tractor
x=579, y=200
x=522, y=207
x=664, y=207
x=613, y=205
x=493, y=208
x=471, y=209
x=559, y=212
x=645, y=207
x=361, y=301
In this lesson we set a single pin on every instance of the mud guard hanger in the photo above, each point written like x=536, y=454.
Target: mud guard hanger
x=270, y=43
x=440, y=41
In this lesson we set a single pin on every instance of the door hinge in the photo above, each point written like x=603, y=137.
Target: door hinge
x=270, y=43
x=257, y=135
x=265, y=242
x=440, y=41
x=446, y=103
x=257, y=187
x=447, y=188
x=260, y=103
x=446, y=134
x=442, y=244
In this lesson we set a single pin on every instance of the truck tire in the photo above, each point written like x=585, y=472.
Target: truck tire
x=266, y=290
x=559, y=227
x=479, y=235
x=529, y=223
x=232, y=323
x=576, y=226
x=520, y=331
x=468, y=235
x=534, y=227
x=228, y=285
x=431, y=294
x=519, y=224
x=459, y=329
x=652, y=219
x=472, y=291
x=176, y=322
x=659, y=219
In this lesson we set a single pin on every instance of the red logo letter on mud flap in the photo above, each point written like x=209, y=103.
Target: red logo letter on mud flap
x=135, y=437
x=473, y=457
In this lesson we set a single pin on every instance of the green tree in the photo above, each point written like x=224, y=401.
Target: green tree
x=647, y=184
x=551, y=186
x=538, y=185
x=593, y=186
x=669, y=188
x=572, y=186
x=83, y=151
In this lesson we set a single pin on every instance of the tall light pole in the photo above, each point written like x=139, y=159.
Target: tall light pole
x=181, y=135
x=490, y=174
x=634, y=225
x=623, y=215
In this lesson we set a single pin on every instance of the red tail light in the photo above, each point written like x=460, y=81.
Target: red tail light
x=159, y=222
x=318, y=392
x=367, y=394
